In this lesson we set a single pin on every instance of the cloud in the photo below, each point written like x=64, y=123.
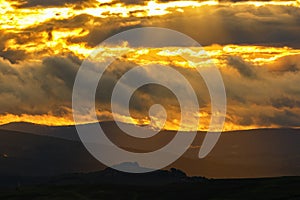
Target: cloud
x=146, y=96
x=243, y=68
x=289, y=63
x=276, y=25
x=257, y=96
x=64, y=69
x=38, y=65
x=268, y=25
x=132, y=2
x=52, y=3
x=285, y=102
x=13, y=55
x=243, y=24
x=285, y=118
x=239, y=24
x=36, y=89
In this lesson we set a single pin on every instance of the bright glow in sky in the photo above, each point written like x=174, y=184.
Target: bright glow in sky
x=251, y=42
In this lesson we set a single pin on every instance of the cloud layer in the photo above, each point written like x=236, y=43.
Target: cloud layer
x=255, y=46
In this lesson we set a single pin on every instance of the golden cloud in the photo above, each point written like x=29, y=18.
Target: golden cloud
x=43, y=45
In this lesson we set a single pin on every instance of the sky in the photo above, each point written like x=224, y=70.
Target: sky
x=255, y=45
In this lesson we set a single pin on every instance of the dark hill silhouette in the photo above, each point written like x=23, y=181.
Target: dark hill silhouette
x=253, y=153
x=64, y=132
x=24, y=154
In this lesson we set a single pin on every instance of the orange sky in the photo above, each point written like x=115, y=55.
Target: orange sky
x=254, y=44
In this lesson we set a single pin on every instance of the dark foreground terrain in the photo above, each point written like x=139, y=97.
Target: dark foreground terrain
x=33, y=157
x=188, y=188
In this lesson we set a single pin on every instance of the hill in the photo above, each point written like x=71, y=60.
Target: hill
x=24, y=154
x=238, y=154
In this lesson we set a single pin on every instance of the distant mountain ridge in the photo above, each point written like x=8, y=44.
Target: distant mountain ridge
x=252, y=153
x=65, y=132
x=69, y=132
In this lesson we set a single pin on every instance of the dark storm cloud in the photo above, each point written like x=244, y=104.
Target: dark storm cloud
x=13, y=55
x=285, y=102
x=285, y=118
x=266, y=25
x=286, y=64
x=245, y=24
x=6, y=69
x=129, y=2
x=37, y=89
x=52, y=3
x=64, y=69
x=236, y=1
x=144, y=97
x=243, y=68
x=272, y=99
x=6, y=52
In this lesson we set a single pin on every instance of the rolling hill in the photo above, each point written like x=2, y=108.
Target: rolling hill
x=34, y=150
